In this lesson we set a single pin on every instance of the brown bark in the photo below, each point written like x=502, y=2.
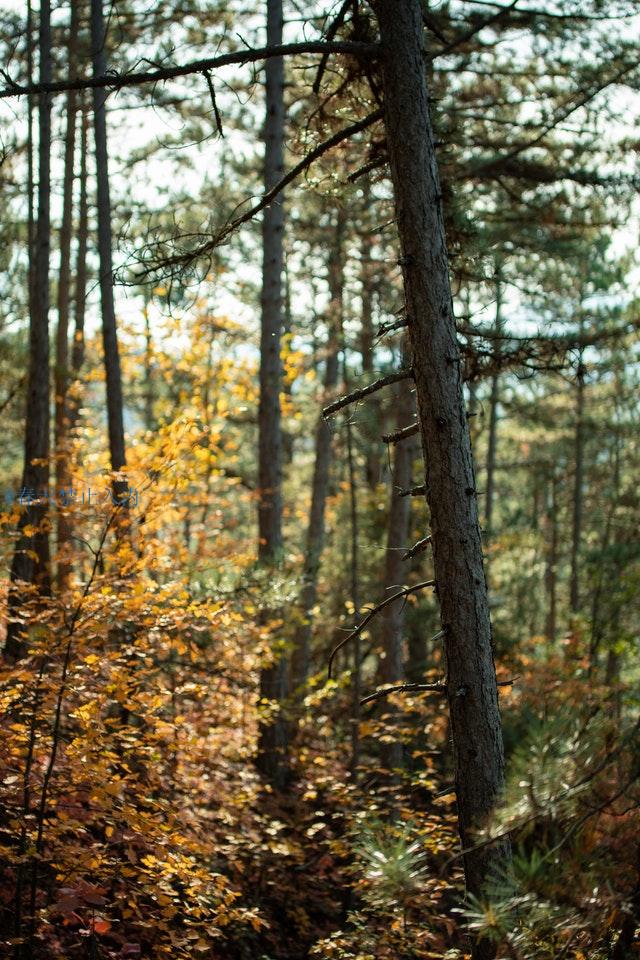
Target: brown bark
x=372, y=461
x=272, y=740
x=449, y=474
x=31, y=559
x=61, y=373
x=109, y=331
x=492, y=443
x=321, y=470
x=356, y=670
x=80, y=291
x=550, y=577
x=395, y=570
x=578, y=489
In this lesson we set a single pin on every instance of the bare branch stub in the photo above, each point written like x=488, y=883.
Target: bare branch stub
x=420, y=490
x=403, y=434
x=417, y=548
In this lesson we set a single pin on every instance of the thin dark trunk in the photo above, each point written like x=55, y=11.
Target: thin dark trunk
x=109, y=331
x=148, y=372
x=372, y=461
x=492, y=444
x=61, y=376
x=356, y=672
x=449, y=473
x=31, y=559
x=80, y=292
x=551, y=579
x=272, y=758
x=578, y=490
x=287, y=326
x=395, y=569
x=321, y=470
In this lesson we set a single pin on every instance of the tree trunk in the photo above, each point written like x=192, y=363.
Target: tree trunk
x=272, y=740
x=61, y=376
x=395, y=569
x=356, y=671
x=372, y=462
x=31, y=559
x=321, y=469
x=109, y=331
x=80, y=292
x=492, y=445
x=578, y=490
x=449, y=475
x=551, y=580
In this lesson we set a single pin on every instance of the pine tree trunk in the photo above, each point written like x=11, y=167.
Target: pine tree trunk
x=31, y=559
x=356, y=670
x=578, y=490
x=321, y=470
x=449, y=475
x=395, y=568
x=80, y=291
x=109, y=332
x=272, y=740
x=61, y=376
x=372, y=462
x=551, y=579
x=492, y=444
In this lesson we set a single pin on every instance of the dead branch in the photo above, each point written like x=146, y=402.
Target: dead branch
x=417, y=548
x=405, y=592
x=403, y=434
x=117, y=81
x=363, y=392
x=405, y=688
x=418, y=491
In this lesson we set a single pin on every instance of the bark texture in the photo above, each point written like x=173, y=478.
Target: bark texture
x=395, y=568
x=578, y=489
x=31, y=559
x=272, y=758
x=449, y=474
x=321, y=469
x=61, y=375
x=109, y=330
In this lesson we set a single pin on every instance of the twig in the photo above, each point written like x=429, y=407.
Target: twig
x=405, y=592
x=214, y=102
x=185, y=259
x=363, y=392
x=399, y=435
x=417, y=548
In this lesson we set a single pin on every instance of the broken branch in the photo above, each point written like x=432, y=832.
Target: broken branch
x=403, y=434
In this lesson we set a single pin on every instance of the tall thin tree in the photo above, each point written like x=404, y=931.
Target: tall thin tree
x=115, y=417
x=31, y=559
x=272, y=745
x=61, y=372
x=322, y=464
x=449, y=474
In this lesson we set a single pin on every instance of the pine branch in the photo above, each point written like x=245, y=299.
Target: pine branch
x=115, y=81
x=399, y=435
x=363, y=392
x=405, y=592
